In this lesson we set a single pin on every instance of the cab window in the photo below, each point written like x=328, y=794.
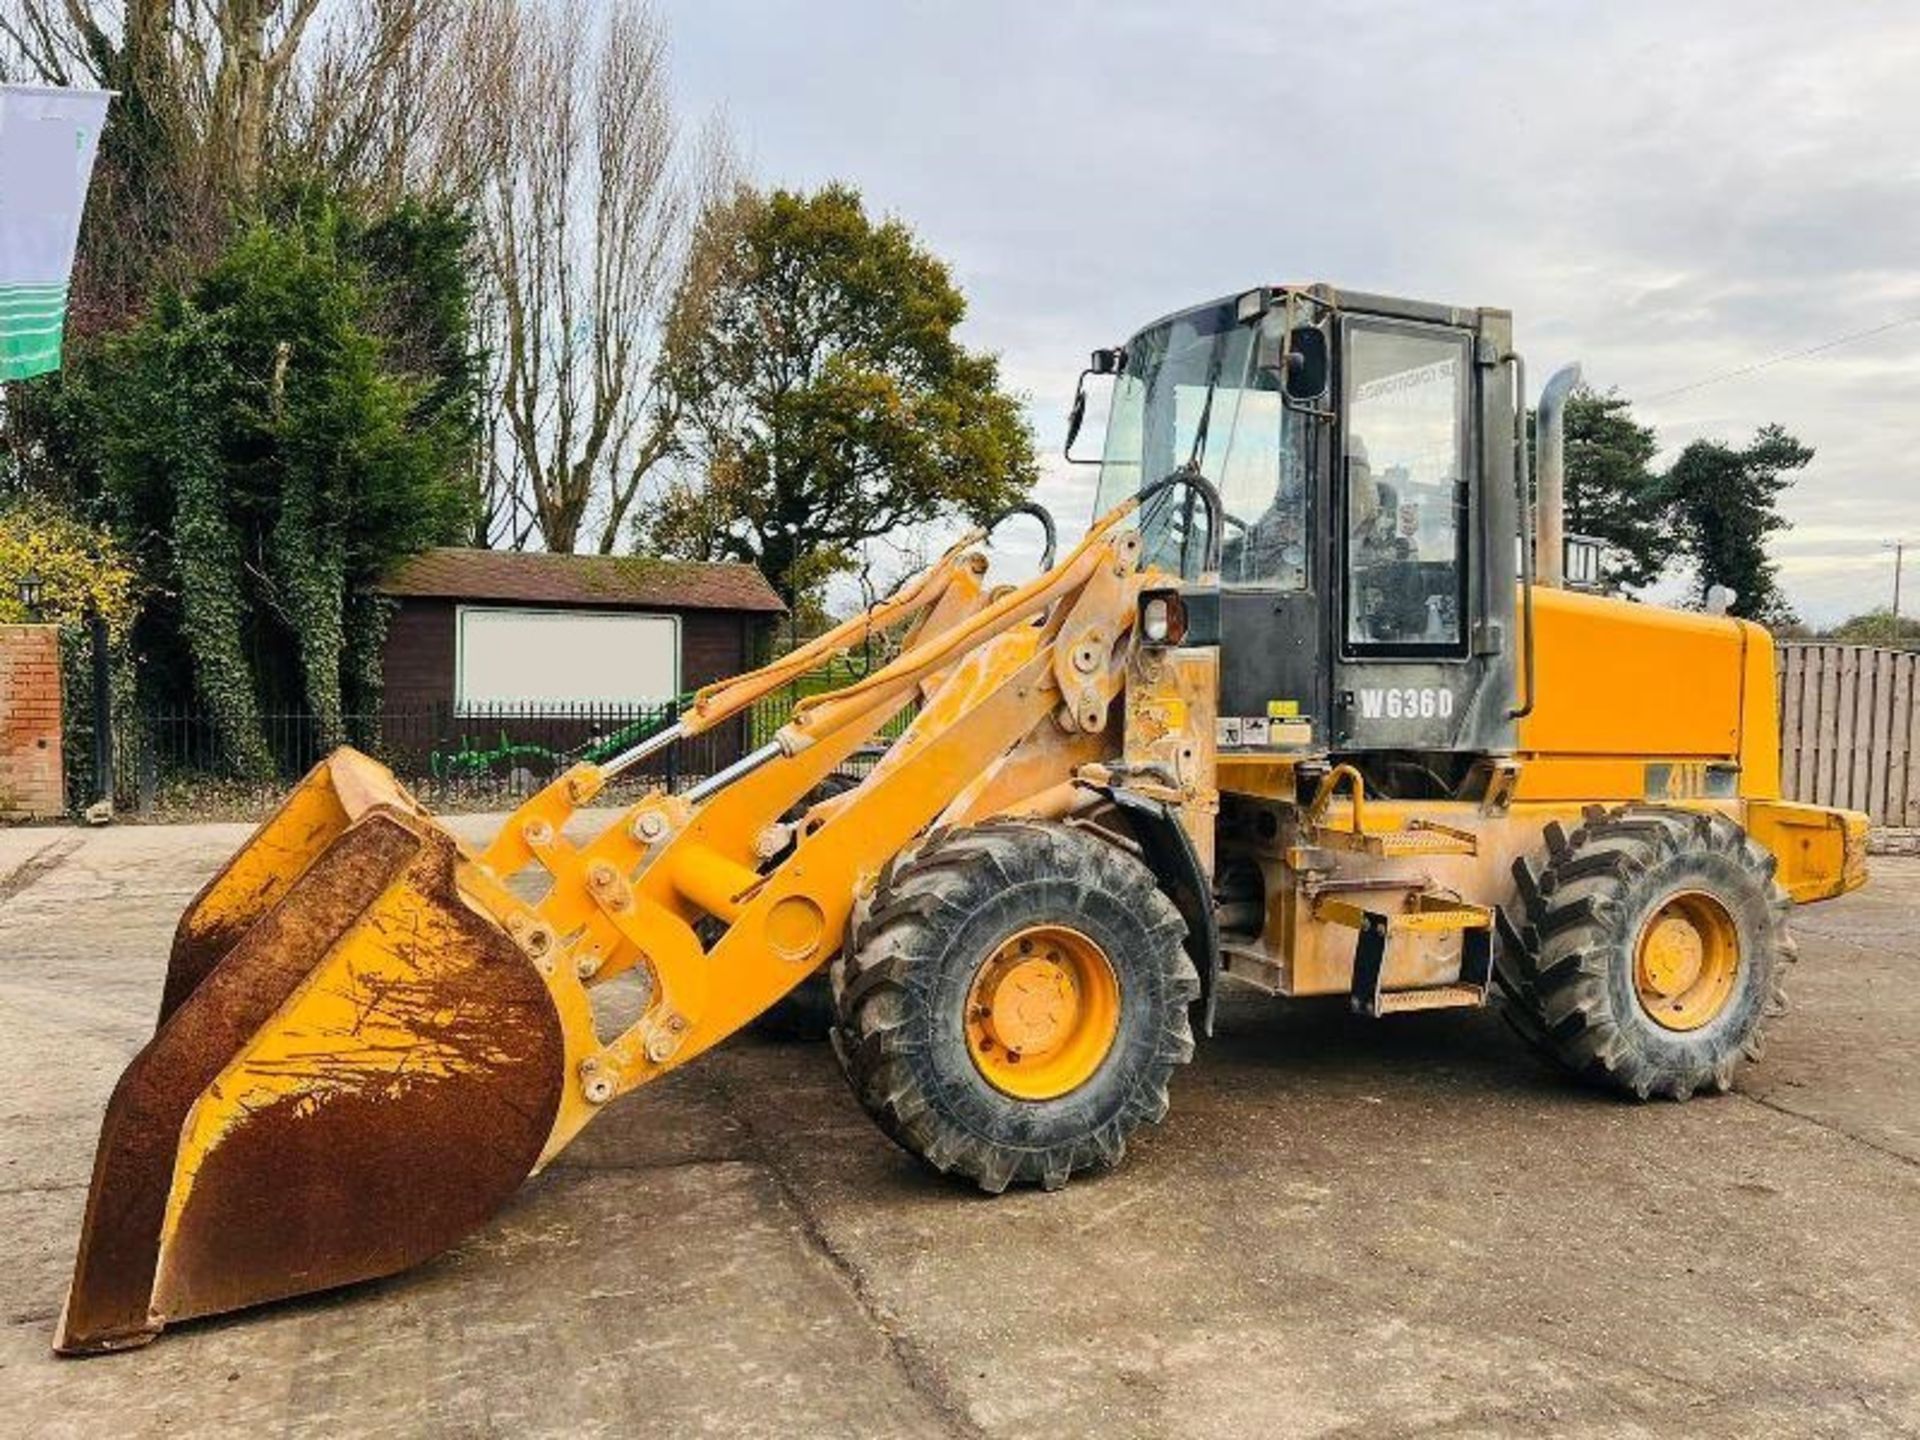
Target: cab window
x=1405, y=494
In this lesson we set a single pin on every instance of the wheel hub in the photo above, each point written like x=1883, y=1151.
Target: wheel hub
x=1675, y=952
x=1042, y=1012
x=1032, y=1006
x=1686, y=961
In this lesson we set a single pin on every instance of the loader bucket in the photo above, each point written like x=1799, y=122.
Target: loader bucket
x=355, y=1065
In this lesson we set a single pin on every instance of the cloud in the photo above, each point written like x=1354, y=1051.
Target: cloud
x=1664, y=192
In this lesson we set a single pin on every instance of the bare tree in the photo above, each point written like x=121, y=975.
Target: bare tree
x=366, y=106
x=585, y=187
x=551, y=119
x=244, y=84
x=216, y=98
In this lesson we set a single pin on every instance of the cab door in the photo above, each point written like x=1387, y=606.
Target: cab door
x=1411, y=640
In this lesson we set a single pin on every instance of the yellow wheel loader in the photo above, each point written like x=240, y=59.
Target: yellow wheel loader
x=1296, y=712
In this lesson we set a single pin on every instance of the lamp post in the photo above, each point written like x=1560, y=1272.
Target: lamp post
x=28, y=588
x=792, y=529
x=1899, y=548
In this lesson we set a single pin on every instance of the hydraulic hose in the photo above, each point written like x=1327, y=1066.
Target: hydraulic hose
x=1196, y=484
x=1038, y=512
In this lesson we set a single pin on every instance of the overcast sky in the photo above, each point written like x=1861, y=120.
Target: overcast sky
x=1662, y=191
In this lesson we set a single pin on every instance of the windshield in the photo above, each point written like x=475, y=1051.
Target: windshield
x=1202, y=389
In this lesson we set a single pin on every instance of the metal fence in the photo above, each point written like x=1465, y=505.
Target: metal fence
x=1849, y=729
x=176, y=761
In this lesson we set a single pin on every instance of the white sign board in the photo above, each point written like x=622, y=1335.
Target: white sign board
x=550, y=661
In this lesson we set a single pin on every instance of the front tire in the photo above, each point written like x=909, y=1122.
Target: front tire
x=1013, y=1002
x=1652, y=950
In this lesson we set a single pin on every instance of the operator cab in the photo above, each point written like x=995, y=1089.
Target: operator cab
x=1363, y=453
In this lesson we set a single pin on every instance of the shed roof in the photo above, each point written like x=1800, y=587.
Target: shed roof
x=538, y=578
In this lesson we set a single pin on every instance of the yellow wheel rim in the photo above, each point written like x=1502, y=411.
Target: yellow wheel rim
x=1042, y=1013
x=1686, y=961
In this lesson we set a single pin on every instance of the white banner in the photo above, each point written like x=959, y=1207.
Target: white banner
x=48, y=138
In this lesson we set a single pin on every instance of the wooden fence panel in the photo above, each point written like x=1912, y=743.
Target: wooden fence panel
x=1904, y=808
x=1787, y=679
x=1911, y=812
x=1850, y=729
x=1826, y=723
x=1878, y=748
x=1806, y=708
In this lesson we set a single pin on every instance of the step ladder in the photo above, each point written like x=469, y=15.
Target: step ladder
x=1427, y=911
x=1417, y=838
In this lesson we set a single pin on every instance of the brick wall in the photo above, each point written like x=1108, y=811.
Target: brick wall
x=30, y=780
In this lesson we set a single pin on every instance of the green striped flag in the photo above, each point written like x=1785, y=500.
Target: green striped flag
x=48, y=138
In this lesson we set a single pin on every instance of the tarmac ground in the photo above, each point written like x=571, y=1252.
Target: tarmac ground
x=1410, y=1227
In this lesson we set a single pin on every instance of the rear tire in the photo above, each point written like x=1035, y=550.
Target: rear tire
x=1653, y=945
x=955, y=914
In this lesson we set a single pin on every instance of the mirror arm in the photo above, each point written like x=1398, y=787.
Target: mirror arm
x=1074, y=420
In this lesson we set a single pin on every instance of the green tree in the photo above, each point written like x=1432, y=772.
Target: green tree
x=1878, y=627
x=1725, y=505
x=1612, y=493
x=277, y=438
x=825, y=399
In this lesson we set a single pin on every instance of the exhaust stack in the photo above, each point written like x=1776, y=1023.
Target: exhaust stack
x=1550, y=543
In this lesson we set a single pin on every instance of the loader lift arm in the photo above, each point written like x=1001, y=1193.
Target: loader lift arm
x=633, y=896
x=371, y=1038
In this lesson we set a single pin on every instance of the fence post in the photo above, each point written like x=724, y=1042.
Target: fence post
x=149, y=771
x=102, y=707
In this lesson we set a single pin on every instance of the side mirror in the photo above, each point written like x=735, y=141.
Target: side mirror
x=1076, y=415
x=1308, y=369
x=1103, y=362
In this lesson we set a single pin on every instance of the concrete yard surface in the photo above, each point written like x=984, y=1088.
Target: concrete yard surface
x=1344, y=1228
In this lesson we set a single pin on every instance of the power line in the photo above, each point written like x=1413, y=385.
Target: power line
x=1734, y=374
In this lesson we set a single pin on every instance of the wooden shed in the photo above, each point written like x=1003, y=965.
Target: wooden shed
x=520, y=646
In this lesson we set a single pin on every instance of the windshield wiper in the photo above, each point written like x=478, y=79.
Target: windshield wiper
x=1206, y=414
